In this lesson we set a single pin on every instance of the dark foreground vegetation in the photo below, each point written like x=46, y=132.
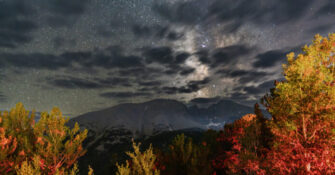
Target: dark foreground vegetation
x=297, y=139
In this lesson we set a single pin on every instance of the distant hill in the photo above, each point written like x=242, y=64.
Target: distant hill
x=156, y=121
x=141, y=118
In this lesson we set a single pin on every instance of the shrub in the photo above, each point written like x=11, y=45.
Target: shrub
x=185, y=157
x=140, y=163
x=45, y=147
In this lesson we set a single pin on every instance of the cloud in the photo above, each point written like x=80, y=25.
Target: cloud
x=189, y=12
x=186, y=71
x=233, y=13
x=69, y=82
x=162, y=55
x=64, y=12
x=113, y=81
x=191, y=86
x=103, y=31
x=150, y=83
x=139, y=72
x=253, y=76
x=16, y=25
x=327, y=8
x=3, y=98
x=261, y=89
x=156, y=32
x=258, y=11
x=59, y=42
x=75, y=83
x=227, y=55
x=181, y=57
x=34, y=60
x=99, y=58
x=270, y=58
x=124, y=94
x=274, y=57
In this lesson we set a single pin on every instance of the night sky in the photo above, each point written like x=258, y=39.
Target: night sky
x=85, y=55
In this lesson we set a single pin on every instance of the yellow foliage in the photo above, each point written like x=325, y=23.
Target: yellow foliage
x=141, y=163
x=46, y=147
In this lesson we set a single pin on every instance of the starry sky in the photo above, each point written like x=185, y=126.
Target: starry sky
x=85, y=55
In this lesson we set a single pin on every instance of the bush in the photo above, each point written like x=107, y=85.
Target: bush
x=45, y=147
x=186, y=158
x=140, y=163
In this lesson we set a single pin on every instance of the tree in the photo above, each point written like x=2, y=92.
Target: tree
x=140, y=163
x=45, y=147
x=242, y=142
x=303, y=112
x=186, y=158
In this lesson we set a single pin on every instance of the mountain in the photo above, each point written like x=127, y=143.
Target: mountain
x=216, y=114
x=158, y=121
x=141, y=119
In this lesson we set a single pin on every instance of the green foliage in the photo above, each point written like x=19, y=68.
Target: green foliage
x=140, y=164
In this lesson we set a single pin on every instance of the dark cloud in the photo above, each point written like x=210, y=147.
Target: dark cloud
x=239, y=96
x=181, y=57
x=234, y=14
x=156, y=32
x=150, y=83
x=238, y=73
x=322, y=28
x=262, y=88
x=34, y=60
x=203, y=56
x=115, y=61
x=171, y=71
x=270, y=58
x=81, y=83
x=253, y=90
x=191, y=86
x=327, y=8
x=162, y=55
x=104, y=32
x=190, y=12
x=244, y=76
x=75, y=83
x=267, y=84
x=141, y=30
x=253, y=76
x=173, y=36
x=3, y=98
x=139, y=72
x=186, y=71
x=64, y=12
x=114, y=81
x=228, y=55
x=124, y=94
x=99, y=58
x=59, y=42
x=205, y=100
x=257, y=11
x=16, y=25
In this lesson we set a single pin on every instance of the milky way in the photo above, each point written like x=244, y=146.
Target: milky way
x=84, y=55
